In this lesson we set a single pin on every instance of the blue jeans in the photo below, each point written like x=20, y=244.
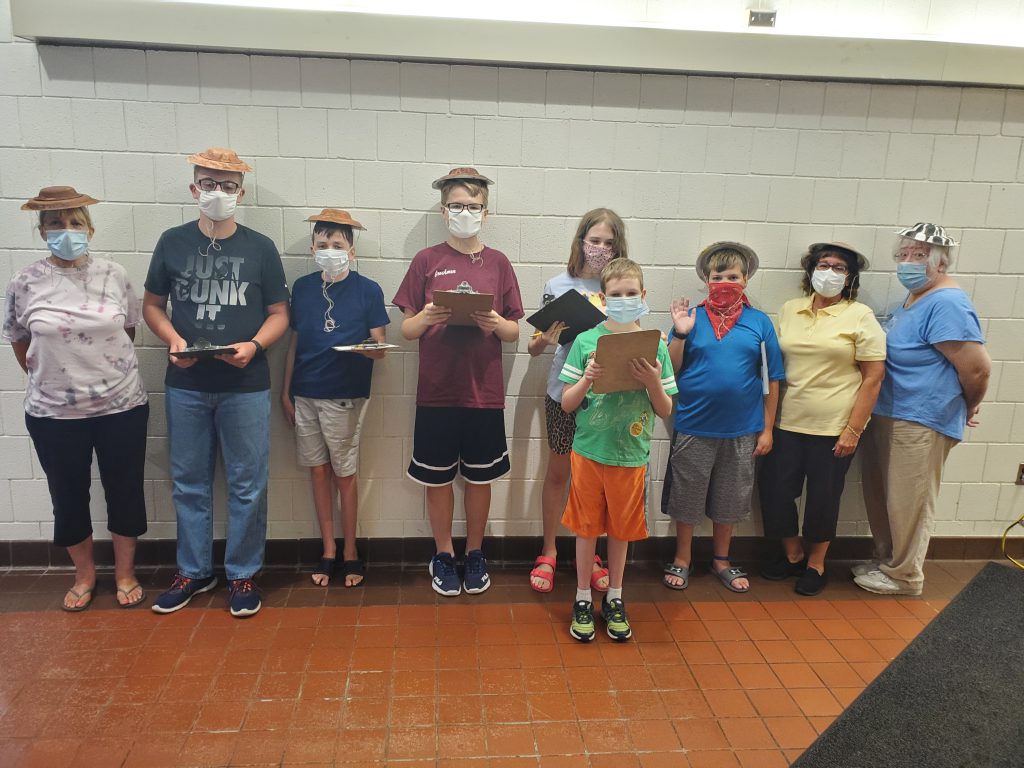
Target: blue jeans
x=239, y=422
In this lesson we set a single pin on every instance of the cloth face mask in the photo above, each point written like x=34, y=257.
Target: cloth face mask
x=913, y=277
x=465, y=224
x=597, y=257
x=827, y=282
x=67, y=244
x=332, y=261
x=217, y=205
x=626, y=309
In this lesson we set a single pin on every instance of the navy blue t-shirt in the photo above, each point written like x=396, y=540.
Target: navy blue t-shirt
x=320, y=371
x=720, y=387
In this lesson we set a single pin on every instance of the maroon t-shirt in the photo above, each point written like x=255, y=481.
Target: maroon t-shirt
x=460, y=365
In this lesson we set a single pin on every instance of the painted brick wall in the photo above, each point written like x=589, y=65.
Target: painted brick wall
x=687, y=160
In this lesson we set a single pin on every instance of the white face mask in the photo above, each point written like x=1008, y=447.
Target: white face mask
x=217, y=205
x=827, y=282
x=465, y=224
x=333, y=262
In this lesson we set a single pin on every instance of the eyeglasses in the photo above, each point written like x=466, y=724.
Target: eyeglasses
x=917, y=255
x=839, y=269
x=209, y=185
x=460, y=207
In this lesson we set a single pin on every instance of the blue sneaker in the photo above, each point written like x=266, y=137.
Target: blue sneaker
x=245, y=598
x=182, y=590
x=445, y=579
x=477, y=580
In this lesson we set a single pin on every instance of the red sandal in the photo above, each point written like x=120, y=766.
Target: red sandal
x=600, y=573
x=539, y=574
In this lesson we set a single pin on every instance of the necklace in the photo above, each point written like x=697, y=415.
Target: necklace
x=329, y=324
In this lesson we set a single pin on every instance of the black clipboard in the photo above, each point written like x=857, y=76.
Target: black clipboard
x=203, y=353
x=572, y=308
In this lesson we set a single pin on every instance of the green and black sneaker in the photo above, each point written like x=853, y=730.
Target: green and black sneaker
x=582, y=625
x=614, y=614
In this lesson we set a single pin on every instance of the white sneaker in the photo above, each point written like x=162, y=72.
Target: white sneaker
x=880, y=584
x=862, y=569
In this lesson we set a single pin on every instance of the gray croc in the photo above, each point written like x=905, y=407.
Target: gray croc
x=680, y=572
x=729, y=575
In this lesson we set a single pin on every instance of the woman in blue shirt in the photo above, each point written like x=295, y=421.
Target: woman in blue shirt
x=936, y=374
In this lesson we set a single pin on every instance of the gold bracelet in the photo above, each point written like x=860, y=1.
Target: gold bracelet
x=858, y=434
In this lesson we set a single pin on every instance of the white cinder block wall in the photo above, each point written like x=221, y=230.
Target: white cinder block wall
x=686, y=160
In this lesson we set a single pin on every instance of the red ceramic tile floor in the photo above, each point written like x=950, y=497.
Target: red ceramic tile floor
x=393, y=675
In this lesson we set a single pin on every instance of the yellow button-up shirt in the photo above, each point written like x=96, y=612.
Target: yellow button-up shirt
x=821, y=351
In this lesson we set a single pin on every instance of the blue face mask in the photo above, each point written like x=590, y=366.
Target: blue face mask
x=912, y=276
x=67, y=244
x=626, y=309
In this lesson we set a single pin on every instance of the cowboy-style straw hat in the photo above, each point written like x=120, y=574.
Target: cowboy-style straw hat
x=462, y=174
x=837, y=245
x=337, y=216
x=726, y=245
x=219, y=159
x=58, y=199
x=932, y=234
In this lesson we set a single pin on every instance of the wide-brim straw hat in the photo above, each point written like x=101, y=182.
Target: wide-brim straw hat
x=727, y=245
x=58, y=199
x=932, y=234
x=337, y=216
x=837, y=245
x=219, y=159
x=462, y=174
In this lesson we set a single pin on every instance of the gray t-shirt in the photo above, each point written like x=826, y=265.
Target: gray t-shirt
x=219, y=292
x=553, y=288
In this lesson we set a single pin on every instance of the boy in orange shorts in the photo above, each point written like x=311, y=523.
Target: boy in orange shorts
x=610, y=449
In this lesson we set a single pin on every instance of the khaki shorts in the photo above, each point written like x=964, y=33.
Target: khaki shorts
x=328, y=431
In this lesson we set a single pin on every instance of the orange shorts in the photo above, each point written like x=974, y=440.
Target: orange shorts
x=605, y=499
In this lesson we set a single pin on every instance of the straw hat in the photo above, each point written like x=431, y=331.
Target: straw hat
x=726, y=245
x=219, y=159
x=462, y=174
x=337, y=216
x=58, y=199
x=838, y=245
x=932, y=234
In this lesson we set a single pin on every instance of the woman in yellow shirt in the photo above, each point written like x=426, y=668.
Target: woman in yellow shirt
x=834, y=353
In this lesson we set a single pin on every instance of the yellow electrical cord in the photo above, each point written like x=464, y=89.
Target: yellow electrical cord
x=1019, y=521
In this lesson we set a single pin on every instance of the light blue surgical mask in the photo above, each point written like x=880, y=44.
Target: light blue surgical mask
x=626, y=309
x=912, y=276
x=67, y=244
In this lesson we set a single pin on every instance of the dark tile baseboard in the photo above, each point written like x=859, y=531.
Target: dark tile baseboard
x=507, y=549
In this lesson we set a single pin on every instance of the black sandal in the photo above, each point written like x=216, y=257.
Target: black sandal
x=354, y=568
x=326, y=568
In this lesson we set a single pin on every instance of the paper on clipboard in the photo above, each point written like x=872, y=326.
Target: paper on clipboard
x=463, y=304
x=615, y=350
x=371, y=347
x=764, y=370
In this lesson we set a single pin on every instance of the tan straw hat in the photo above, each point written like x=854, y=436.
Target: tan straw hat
x=58, y=199
x=337, y=216
x=839, y=246
x=462, y=174
x=219, y=159
x=727, y=245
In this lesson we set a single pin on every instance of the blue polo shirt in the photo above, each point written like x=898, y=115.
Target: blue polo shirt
x=720, y=391
x=920, y=384
x=321, y=372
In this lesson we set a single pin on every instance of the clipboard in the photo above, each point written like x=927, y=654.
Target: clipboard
x=202, y=353
x=463, y=304
x=572, y=308
x=370, y=347
x=615, y=350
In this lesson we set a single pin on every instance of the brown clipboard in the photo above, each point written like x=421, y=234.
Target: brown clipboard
x=463, y=305
x=615, y=350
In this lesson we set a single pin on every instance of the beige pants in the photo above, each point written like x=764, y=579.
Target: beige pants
x=901, y=470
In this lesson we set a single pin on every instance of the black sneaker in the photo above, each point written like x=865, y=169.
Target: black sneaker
x=445, y=579
x=182, y=590
x=780, y=569
x=811, y=582
x=476, y=579
x=582, y=625
x=614, y=614
x=245, y=598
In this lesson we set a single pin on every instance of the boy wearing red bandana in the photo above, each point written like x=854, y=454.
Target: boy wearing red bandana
x=723, y=417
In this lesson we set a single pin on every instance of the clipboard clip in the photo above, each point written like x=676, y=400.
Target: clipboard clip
x=464, y=287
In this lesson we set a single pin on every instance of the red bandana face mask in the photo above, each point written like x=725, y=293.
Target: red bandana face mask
x=724, y=306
